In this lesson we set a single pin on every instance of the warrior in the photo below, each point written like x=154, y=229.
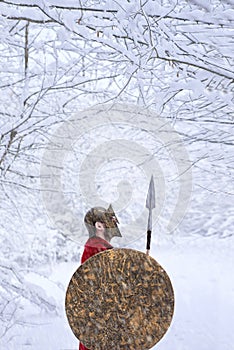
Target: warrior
x=120, y=298
x=102, y=225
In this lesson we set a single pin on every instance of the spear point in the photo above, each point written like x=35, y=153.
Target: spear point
x=150, y=204
x=150, y=200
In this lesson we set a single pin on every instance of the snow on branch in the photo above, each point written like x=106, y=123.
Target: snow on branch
x=55, y=56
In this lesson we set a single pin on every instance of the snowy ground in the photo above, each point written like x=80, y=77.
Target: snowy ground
x=201, y=271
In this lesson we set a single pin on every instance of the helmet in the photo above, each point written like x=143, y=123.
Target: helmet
x=107, y=217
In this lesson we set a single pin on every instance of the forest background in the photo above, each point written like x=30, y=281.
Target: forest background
x=58, y=59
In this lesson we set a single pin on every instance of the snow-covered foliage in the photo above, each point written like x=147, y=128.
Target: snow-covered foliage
x=57, y=58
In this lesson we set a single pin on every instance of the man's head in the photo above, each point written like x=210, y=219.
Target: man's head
x=99, y=218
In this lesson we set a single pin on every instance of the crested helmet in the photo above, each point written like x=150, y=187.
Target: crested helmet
x=105, y=216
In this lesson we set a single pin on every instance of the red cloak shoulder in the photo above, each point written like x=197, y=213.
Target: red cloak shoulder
x=93, y=246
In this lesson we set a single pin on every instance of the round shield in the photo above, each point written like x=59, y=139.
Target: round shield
x=120, y=299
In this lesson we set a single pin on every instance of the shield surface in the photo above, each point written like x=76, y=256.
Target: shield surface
x=120, y=299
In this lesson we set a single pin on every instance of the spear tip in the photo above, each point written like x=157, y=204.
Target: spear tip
x=150, y=200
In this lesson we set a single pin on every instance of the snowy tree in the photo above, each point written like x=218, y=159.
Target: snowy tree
x=173, y=57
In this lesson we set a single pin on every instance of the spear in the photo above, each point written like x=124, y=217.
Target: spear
x=150, y=204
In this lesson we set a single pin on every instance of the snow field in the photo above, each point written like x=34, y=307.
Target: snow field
x=201, y=273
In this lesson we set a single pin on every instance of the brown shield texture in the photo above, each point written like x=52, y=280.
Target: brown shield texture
x=120, y=299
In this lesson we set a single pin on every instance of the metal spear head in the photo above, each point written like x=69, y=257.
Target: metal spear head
x=150, y=200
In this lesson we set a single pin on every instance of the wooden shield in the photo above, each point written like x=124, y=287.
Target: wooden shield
x=120, y=299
